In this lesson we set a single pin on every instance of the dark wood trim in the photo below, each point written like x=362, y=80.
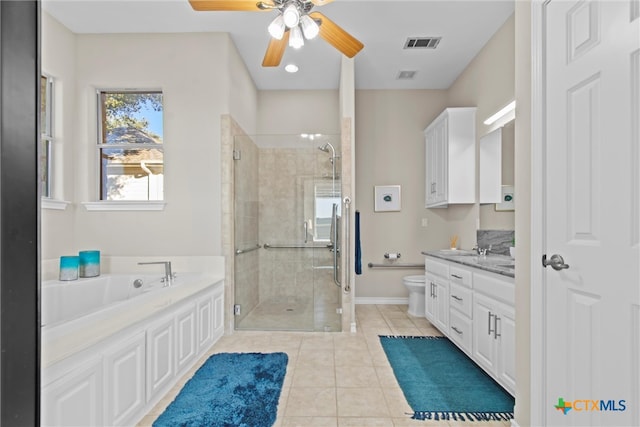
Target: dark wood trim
x=19, y=213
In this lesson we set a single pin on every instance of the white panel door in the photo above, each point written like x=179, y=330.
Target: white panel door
x=186, y=344
x=125, y=381
x=592, y=199
x=160, y=356
x=484, y=347
x=75, y=400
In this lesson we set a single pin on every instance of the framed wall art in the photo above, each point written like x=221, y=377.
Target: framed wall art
x=386, y=198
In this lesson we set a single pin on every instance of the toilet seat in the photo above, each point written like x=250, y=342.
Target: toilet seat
x=414, y=279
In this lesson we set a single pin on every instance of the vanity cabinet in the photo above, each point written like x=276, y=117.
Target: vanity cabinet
x=450, y=158
x=480, y=314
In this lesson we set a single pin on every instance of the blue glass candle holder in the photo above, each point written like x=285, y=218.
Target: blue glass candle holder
x=69, y=267
x=89, y=263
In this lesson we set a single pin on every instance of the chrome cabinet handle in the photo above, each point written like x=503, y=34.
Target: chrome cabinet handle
x=456, y=276
x=490, y=331
x=556, y=262
x=306, y=231
x=458, y=331
x=495, y=329
x=455, y=297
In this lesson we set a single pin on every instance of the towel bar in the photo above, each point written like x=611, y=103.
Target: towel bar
x=372, y=265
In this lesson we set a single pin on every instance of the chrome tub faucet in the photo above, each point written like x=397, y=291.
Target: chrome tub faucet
x=168, y=274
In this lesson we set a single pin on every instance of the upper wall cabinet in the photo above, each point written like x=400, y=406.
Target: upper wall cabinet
x=451, y=158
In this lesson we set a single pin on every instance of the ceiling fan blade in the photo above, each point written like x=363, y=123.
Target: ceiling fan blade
x=229, y=5
x=320, y=2
x=275, y=51
x=336, y=36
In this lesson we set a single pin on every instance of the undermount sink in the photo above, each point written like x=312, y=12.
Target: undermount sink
x=457, y=252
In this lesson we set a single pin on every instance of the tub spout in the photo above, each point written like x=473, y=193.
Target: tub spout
x=168, y=275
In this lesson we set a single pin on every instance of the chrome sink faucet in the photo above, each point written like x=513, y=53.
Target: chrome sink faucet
x=482, y=251
x=168, y=275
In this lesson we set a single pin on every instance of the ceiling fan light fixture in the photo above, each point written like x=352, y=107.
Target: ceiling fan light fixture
x=296, y=40
x=291, y=15
x=277, y=27
x=309, y=27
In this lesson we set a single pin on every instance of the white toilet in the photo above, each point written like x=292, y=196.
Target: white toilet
x=415, y=285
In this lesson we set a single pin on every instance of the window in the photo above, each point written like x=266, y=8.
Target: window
x=130, y=146
x=46, y=139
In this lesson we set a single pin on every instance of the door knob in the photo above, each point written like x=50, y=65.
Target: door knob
x=556, y=262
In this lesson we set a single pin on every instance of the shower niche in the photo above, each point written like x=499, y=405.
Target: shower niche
x=287, y=194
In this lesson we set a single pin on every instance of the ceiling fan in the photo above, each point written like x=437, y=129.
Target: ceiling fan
x=295, y=23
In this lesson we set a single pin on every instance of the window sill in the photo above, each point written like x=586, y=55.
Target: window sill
x=125, y=205
x=47, y=203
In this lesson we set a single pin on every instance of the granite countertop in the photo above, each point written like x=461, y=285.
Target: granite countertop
x=499, y=264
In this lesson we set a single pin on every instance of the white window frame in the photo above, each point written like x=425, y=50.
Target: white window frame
x=47, y=200
x=47, y=135
x=118, y=205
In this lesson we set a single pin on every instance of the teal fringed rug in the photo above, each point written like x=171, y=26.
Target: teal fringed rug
x=440, y=382
x=230, y=389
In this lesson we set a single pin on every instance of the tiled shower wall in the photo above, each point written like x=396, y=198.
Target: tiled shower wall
x=286, y=177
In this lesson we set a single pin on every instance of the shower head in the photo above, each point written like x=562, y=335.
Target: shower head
x=328, y=147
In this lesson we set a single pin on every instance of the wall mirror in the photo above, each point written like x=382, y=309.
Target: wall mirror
x=494, y=174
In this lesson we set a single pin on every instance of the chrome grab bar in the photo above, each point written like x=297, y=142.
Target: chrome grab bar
x=297, y=246
x=244, y=251
x=347, y=242
x=372, y=265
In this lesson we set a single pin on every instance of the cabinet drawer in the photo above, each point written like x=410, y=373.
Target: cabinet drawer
x=460, y=298
x=460, y=276
x=437, y=268
x=501, y=288
x=460, y=331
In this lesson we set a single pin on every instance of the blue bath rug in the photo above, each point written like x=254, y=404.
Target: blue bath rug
x=440, y=382
x=230, y=389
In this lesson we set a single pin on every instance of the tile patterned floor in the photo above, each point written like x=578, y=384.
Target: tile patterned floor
x=335, y=379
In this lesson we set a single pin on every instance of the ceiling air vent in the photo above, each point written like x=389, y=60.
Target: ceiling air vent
x=422, y=42
x=406, y=75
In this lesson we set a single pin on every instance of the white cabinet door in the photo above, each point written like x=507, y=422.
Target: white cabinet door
x=484, y=349
x=218, y=314
x=437, y=302
x=429, y=300
x=125, y=381
x=506, y=325
x=494, y=339
x=76, y=399
x=160, y=356
x=186, y=344
x=205, y=323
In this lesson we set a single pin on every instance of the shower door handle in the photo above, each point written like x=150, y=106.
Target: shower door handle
x=306, y=231
x=335, y=235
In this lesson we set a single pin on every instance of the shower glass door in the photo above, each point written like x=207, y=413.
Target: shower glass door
x=287, y=195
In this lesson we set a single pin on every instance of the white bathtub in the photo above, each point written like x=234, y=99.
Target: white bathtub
x=110, y=351
x=64, y=301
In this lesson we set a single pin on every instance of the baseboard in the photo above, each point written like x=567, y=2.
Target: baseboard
x=514, y=423
x=381, y=301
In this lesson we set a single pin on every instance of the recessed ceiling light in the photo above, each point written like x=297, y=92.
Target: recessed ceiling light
x=291, y=68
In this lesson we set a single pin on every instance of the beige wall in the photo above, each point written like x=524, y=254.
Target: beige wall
x=523, y=210
x=58, y=61
x=487, y=83
x=198, y=89
x=292, y=112
x=390, y=151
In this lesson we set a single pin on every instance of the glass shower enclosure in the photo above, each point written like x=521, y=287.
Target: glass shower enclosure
x=287, y=194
